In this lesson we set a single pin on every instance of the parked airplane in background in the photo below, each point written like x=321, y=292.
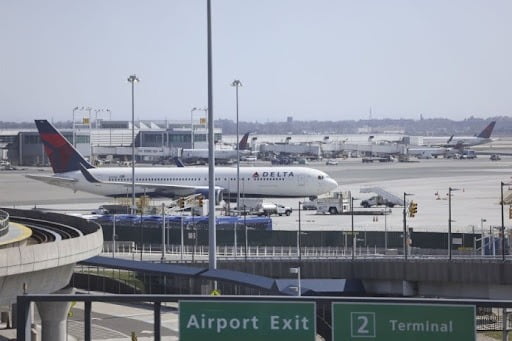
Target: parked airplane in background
x=461, y=142
x=74, y=172
x=222, y=155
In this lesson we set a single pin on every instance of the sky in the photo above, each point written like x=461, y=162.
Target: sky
x=309, y=59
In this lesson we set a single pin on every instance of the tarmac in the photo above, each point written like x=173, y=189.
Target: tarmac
x=475, y=201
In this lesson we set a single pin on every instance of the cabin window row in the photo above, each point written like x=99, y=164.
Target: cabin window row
x=112, y=178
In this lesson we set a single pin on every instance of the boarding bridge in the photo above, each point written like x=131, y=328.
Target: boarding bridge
x=383, y=193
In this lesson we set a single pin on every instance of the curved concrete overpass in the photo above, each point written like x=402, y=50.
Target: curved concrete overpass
x=39, y=251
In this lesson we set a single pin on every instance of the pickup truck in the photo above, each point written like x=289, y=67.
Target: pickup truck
x=267, y=209
x=376, y=201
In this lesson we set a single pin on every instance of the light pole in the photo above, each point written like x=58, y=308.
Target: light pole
x=212, y=237
x=74, y=138
x=133, y=79
x=482, y=221
x=91, y=156
x=192, y=127
x=474, y=239
x=245, y=230
x=114, y=236
x=450, y=190
x=385, y=231
x=502, y=222
x=162, y=259
x=405, y=225
x=352, y=224
x=299, y=238
x=110, y=128
x=236, y=83
x=96, y=111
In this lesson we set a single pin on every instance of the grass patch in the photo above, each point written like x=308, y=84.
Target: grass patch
x=497, y=335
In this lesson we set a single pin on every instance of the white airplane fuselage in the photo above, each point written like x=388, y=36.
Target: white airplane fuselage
x=465, y=141
x=254, y=181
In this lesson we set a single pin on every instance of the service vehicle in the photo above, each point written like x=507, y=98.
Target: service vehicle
x=336, y=203
x=309, y=205
x=268, y=209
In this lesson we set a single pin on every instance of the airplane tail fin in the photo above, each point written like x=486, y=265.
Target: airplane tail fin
x=63, y=156
x=243, y=145
x=486, y=133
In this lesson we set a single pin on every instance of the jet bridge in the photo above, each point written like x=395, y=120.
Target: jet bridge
x=383, y=193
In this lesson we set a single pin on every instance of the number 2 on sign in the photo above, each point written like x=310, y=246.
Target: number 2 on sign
x=362, y=324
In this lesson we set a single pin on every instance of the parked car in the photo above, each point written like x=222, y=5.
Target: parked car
x=281, y=209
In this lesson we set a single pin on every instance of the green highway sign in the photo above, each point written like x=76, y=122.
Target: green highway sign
x=247, y=320
x=397, y=322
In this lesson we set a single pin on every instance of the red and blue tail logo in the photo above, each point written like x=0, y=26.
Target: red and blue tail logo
x=243, y=144
x=486, y=133
x=63, y=156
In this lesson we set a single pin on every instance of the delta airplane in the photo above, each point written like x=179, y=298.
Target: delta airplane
x=459, y=142
x=71, y=170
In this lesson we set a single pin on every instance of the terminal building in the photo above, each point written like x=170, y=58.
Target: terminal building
x=110, y=142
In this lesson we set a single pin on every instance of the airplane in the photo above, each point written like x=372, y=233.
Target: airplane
x=71, y=170
x=460, y=142
x=222, y=155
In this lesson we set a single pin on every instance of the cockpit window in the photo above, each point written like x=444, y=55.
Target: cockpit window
x=320, y=177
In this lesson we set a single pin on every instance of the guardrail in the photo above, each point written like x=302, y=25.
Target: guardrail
x=4, y=222
x=493, y=311
x=130, y=249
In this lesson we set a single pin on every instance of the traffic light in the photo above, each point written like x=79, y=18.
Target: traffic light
x=413, y=209
x=510, y=212
x=181, y=202
x=200, y=200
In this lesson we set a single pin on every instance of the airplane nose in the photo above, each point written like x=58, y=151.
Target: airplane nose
x=331, y=184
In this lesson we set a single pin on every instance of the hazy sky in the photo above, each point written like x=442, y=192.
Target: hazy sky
x=310, y=59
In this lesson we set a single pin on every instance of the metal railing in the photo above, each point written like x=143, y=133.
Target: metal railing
x=487, y=311
x=150, y=251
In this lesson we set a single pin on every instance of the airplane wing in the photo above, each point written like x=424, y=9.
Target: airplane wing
x=53, y=180
x=162, y=189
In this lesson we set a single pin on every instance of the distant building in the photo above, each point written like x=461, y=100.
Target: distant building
x=109, y=140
